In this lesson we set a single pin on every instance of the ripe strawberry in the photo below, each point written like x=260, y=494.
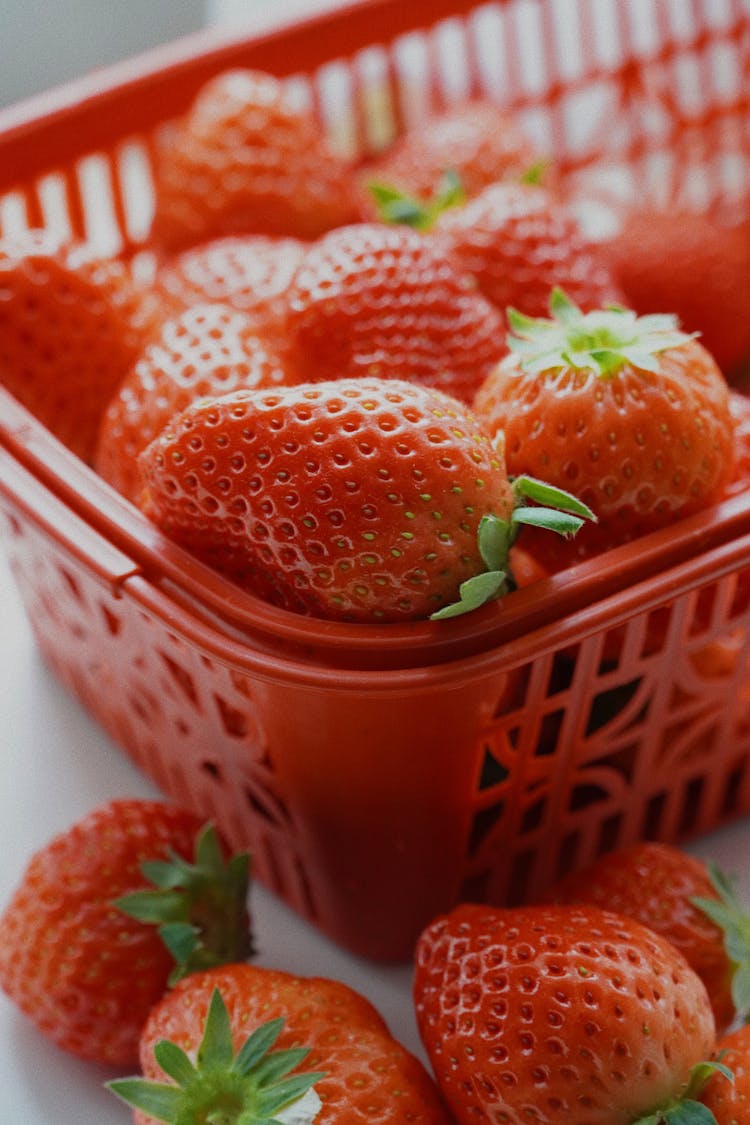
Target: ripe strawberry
x=629, y=412
x=378, y=300
x=730, y=1101
x=362, y=500
x=81, y=954
x=518, y=242
x=480, y=142
x=694, y=263
x=246, y=159
x=208, y=349
x=251, y=273
x=558, y=1014
x=71, y=325
x=739, y=406
x=361, y=1076
x=689, y=903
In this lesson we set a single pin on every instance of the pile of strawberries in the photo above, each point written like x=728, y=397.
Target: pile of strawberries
x=336, y=373
x=128, y=941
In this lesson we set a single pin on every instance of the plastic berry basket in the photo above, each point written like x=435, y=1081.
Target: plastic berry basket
x=380, y=773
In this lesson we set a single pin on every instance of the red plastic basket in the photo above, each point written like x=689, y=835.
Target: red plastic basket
x=380, y=773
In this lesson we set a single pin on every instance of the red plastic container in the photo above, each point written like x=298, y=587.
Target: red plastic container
x=380, y=773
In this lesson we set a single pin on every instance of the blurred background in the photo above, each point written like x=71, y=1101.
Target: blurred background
x=46, y=42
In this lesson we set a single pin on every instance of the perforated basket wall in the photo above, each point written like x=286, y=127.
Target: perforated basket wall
x=379, y=774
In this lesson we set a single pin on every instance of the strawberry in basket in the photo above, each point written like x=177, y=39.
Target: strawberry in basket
x=71, y=326
x=358, y=499
x=729, y=1101
x=693, y=905
x=629, y=412
x=561, y=1014
x=109, y=912
x=235, y=1039
x=246, y=159
x=206, y=349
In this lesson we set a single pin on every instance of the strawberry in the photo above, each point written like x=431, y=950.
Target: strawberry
x=628, y=411
x=71, y=326
x=519, y=242
x=246, y=159
x=694, y=263
x=479, y=142
x=729, y=1101
x=251, y=273
x=559, y=1014
x=89, y=946
x=358, y=499
x=688, y=902
x=361, y=1075
x=378, y=300
x=739, y=405
x=206, y=349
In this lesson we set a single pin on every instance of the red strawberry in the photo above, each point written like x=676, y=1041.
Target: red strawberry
x=85, y=972
x=251, y=273
x=519, y=242
x=378, y=300
x=558, y=1014
x=478, y=141
x=364, y=500
x=360, y=1074
x=629, y=413
x=246, y=159
x=208, y=349
x=71, y=326
x=690, y=904
x=739, y=405
x=694, y=263
x=730, y=1101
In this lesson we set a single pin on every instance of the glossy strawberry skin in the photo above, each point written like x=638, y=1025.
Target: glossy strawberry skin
x=729, y=1101
x=518, y=242
x=375, y=300
x=71, y=326
x=354, y=499
x=556, y=1014
x=245, y=159
x=641, y=449
x=655, y=883
x=370, y=1079
x=208, y=349
x=694, y=264
x=84, y=973
x=479, y=141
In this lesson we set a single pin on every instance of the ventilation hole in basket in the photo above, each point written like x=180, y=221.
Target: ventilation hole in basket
x=567, y=856
x=277, y=814
x=212, y=769
x=182, y=678
x=609, y=834
x=607, y=705
x=703, y=611
x=533, y=817
x=652, y=821
x=741, y=596
x=234, y=721
x=691, y=805
x=493, y=772
x=549, y=732
x=563, y=670
x=520, y=878
x=476, y=889
x=483, y=823
x=585, y=795
x=731, y=801
x=112, y=623
x=71, y=583
x=623, y=759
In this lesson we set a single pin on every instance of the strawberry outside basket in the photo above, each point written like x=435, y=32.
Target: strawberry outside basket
x=380, y=773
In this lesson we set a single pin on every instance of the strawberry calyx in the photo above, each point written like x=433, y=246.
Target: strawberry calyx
x=396, y=206
x=604, y=340
x=553, y=509
x=729, y=913
x=255, y=1086
x=200, y=908
x=687, y=1110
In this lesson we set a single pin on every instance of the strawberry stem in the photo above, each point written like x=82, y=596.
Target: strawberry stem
x=730, y=914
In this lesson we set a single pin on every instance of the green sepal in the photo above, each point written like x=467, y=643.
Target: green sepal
x=604, y=340
x=730, y=914
x=199, y=908
x=686, y=1110
x=562, y=523
x=473, y=593
x=530, y=488
x=396, y=206
x=246, y=1088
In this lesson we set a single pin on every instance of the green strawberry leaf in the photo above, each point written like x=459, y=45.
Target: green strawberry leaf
x=200, y=908
x=686, y=1110
x=395, y=206
x=473, y=593
x=246, y=1088
x=731, y=915
x=529, y=488
x=563, y=523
